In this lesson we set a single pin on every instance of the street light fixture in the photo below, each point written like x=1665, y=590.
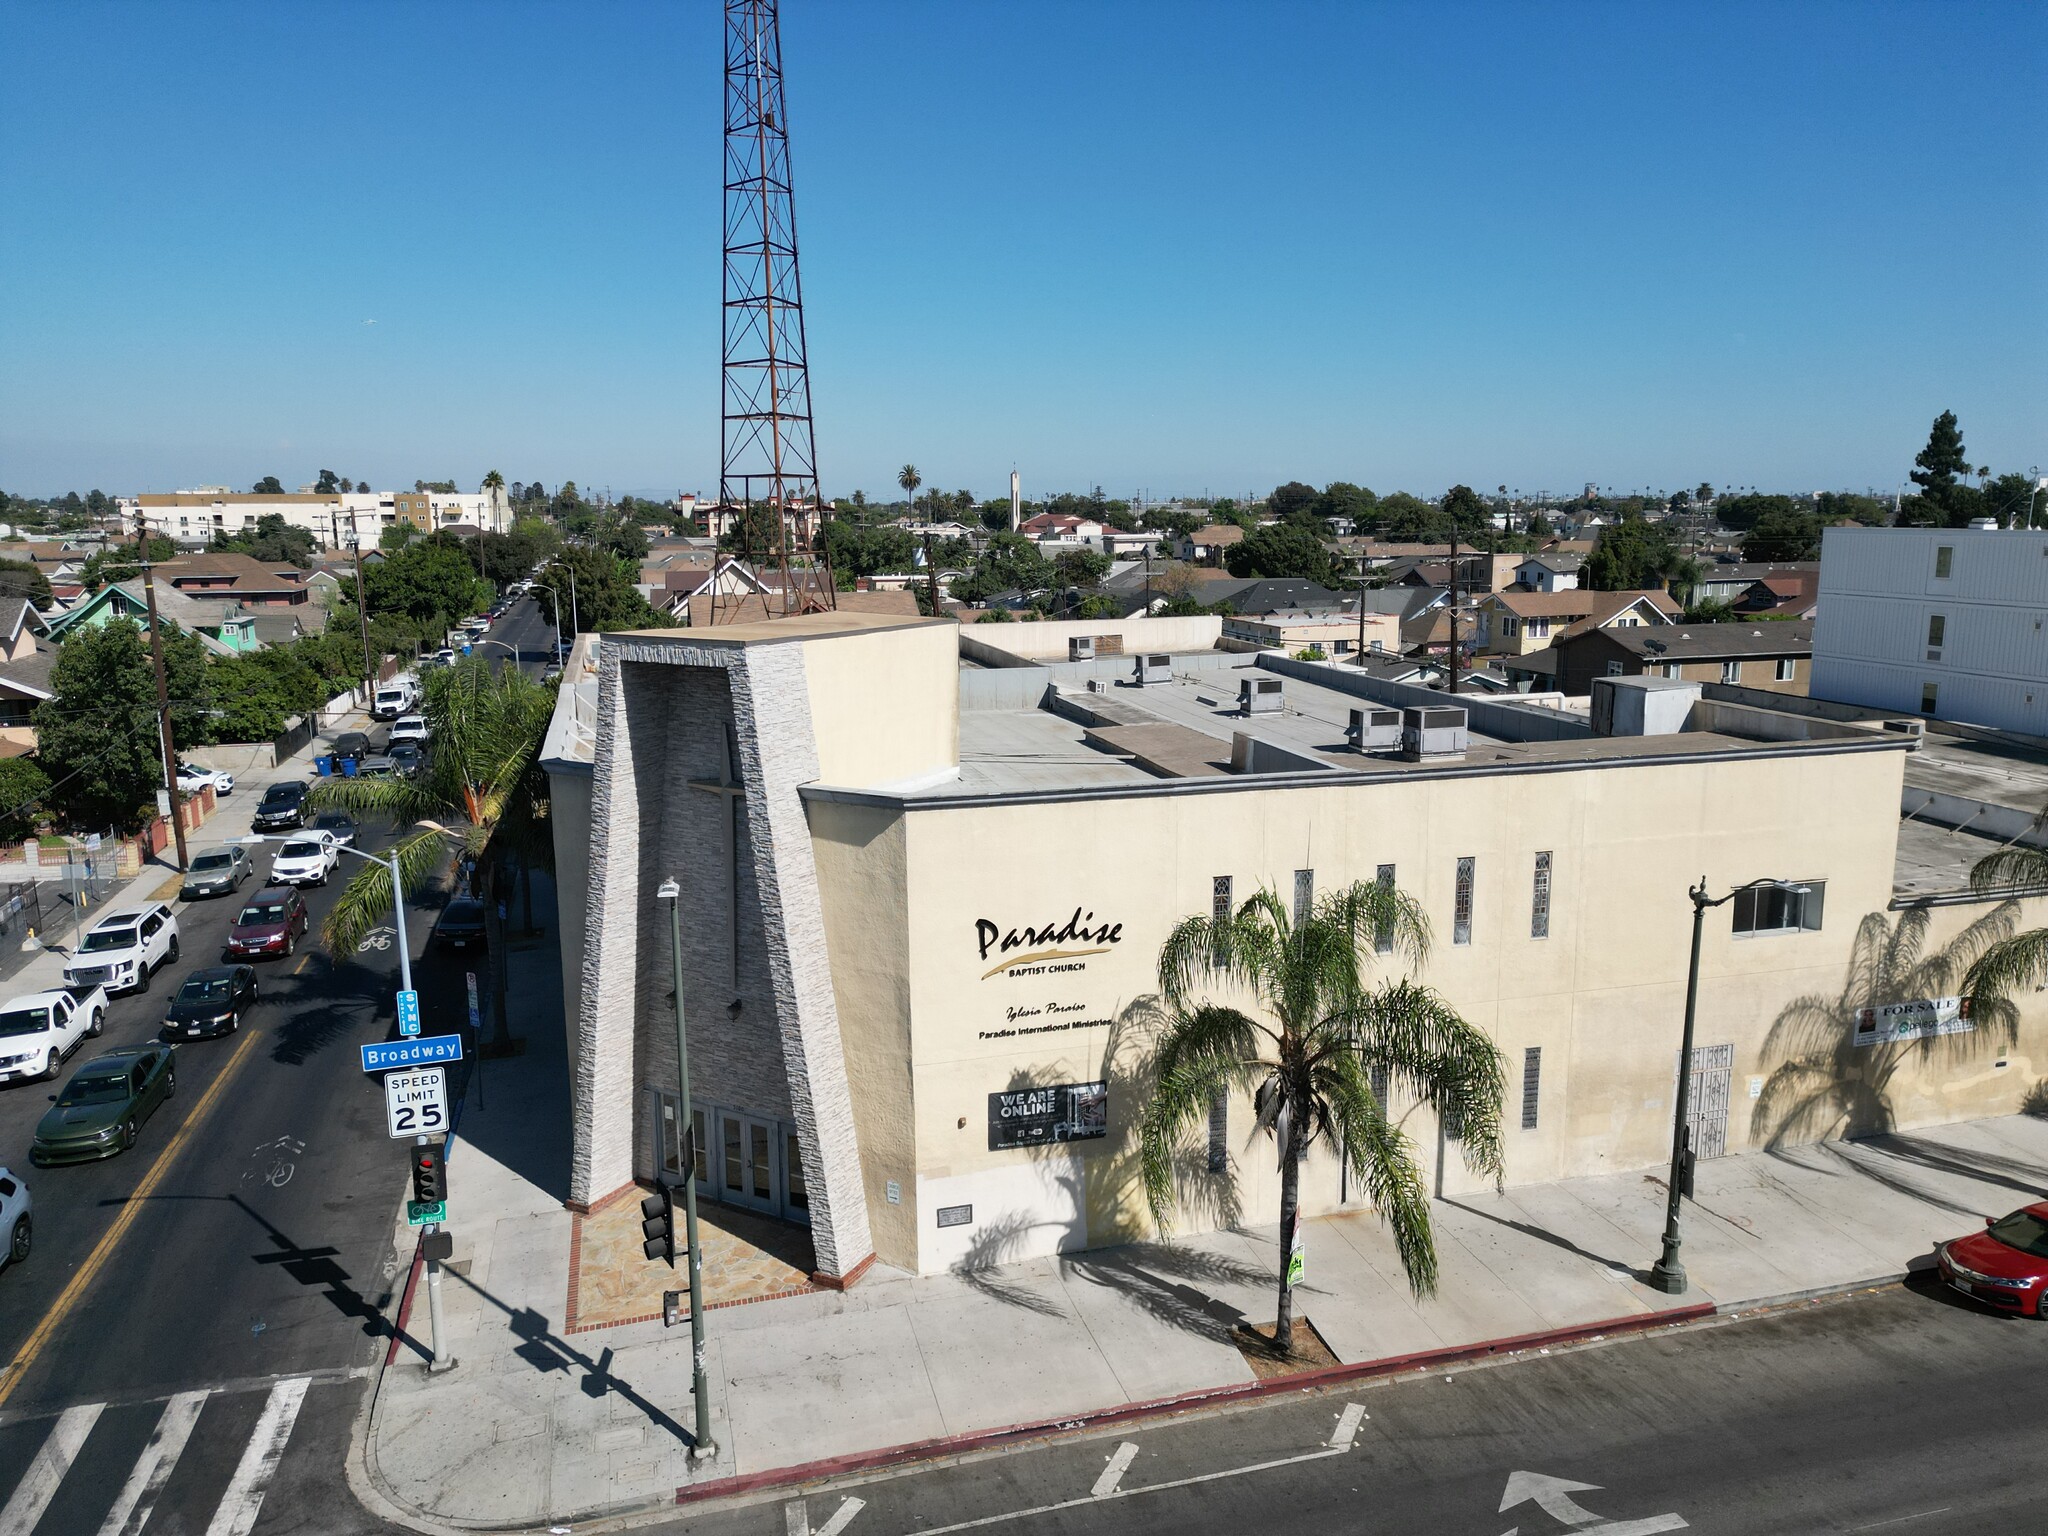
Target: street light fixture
x=575, y=622
x=1668, y=1274
x=702, y=1446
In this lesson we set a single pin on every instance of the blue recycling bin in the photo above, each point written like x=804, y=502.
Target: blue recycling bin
x=348, y=767
x=324, y=765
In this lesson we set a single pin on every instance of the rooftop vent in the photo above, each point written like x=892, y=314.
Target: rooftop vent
x=1259, y=696
x=1374, y=730
x=1984, y=524
x=1153, y=669
x=1433, y=733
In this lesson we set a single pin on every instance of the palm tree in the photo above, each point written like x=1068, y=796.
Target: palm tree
x=483, y=778
x=2018, y=962
x=1308, y=1053
x=910, y=480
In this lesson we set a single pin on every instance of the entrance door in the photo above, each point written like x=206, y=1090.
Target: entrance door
x=1706, y=1099
x=746, y=1162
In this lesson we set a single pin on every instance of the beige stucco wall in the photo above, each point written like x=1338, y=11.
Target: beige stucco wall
x=1602, y=995
x=885, y=705
x=1047, y=641
x=860, y=857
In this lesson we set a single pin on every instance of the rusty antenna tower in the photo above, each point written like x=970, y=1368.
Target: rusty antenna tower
x=768, y=458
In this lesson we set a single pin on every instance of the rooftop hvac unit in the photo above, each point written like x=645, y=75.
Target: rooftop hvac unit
x=1097, y=685
x=1259, y=696
x=1907, y=727
x=1080, y=648
x=1154, y=669
x=1433, y=732
x=1374, y=730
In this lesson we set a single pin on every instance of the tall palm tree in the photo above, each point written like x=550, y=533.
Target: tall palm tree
x=1307, y=1053
x=483, y=781
x=2019, y=961
x=910, y=480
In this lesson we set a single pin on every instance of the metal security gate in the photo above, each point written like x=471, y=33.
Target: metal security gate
x=1706, y=1099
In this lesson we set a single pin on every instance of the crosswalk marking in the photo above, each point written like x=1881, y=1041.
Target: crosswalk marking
x=39, y=1485
x=153, y=1468
x=239, y=1506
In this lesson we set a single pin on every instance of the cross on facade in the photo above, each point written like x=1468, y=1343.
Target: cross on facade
x=728, y=788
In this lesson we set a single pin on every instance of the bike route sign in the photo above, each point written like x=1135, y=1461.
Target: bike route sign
x=409, y=1014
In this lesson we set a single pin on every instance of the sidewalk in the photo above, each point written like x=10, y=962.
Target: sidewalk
x=159, y=879
x=543, y=1424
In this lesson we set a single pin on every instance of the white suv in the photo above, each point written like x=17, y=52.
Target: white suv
x=15, y=1210
x=412, y=728
x=122, y=949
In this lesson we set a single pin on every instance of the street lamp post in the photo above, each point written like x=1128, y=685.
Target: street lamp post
x=575, y=622
x=1668, y=1274
x=390, y=862
x=703, y=1446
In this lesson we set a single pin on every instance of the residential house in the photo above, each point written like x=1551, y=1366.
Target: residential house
x=1517, y=623
x=1549, y=572
x=25, y=663
x=1774, y=656
x=1732, y=583
x=224, y=627
x=1205, y=546
x=1061, y=528
x=1333, y=634
x=253, y=583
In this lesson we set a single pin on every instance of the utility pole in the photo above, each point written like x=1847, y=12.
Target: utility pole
x=163, y=690
x=362, y=609
x=931, y=574
x=1454, y=605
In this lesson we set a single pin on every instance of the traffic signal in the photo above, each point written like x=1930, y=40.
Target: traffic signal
x=658, y=1222
x=429, y=1177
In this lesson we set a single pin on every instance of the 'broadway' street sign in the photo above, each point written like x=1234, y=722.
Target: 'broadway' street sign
x=411, y=1053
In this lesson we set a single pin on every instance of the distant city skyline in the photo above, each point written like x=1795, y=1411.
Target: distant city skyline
x=1144, y=246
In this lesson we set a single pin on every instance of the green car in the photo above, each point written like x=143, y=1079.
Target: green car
x=104, y=1105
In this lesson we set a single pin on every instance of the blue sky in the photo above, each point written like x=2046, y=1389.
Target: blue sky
x=1177, y=247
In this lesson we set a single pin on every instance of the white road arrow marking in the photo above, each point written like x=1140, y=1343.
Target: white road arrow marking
x=1113, y=1474
x=1553, y=1495
x=842, y=1517
x=1347, y=1426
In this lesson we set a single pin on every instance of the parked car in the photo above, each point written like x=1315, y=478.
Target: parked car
x=102, y=1109
x=412, y=728
x=282, y=807
x=271, y=924
x=377, y=765
x=38, y=1030
x=407, y=759
x=123, y=949
x=445, y=657
x=551, y=671
x=216, y=872
x=2006, y=1265
x=223, y=783
x=461, y=924
x=307, y=860
x=339, y=826
x=349, y=746
x=211, y=1002
x=17, y=1214
x=395, y=698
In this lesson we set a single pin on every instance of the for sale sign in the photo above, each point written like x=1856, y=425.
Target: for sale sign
x=1921, y=1019
x=416, y=1101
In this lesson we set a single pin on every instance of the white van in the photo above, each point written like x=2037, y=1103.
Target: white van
x=398, y=697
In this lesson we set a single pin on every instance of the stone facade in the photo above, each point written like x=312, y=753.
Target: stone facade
x=769, y=1044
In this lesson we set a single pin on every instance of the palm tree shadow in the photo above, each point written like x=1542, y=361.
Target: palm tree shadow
x=1543, y=1234
x=1162, y=1280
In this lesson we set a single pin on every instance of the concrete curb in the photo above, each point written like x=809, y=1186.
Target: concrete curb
x=1216, y=1397
x=1812, y=1293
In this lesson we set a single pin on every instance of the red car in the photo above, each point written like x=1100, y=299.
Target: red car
x=2004, y=1266
x=269, y=925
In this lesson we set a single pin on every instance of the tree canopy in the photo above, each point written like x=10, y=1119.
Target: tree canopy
x=1630, y=556
x=1282, y=550
x=97, y=736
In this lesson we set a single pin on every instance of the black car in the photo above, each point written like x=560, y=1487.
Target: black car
x=461, y=924
x=211, y=1002
x=339, y=825
x=407, y=759
x=282, y=808
x=350, y=747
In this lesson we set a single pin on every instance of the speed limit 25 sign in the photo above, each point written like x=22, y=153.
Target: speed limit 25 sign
x=416, y=1101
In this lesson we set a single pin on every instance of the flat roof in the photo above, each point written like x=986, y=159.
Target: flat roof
x=797, y=626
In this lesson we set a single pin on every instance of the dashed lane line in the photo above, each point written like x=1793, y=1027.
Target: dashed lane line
x=103, y=1250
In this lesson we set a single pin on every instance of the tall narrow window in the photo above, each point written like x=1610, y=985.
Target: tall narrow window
x=1219, y=1133
x=1304, y=894
x=1383, y=935
x=1219, y=912
x=1461, y=911
x=1532, y=1080
x=1786, y=666
x=1930, y=694
x=1944, y=561
x=1937, y=630
x=1539, y=899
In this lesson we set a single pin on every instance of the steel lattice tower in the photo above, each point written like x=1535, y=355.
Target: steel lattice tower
x=768, y=453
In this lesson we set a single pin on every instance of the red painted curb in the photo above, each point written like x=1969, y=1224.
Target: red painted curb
x=953, y=1445
x=412, y=1278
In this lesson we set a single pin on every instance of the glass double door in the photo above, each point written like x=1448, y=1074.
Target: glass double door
x=742, y=1159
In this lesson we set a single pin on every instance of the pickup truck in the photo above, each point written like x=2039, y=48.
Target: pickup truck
x=38, y=1030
